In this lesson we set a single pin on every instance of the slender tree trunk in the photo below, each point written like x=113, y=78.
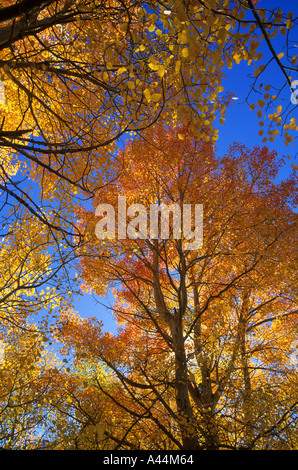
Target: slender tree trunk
x=187, y=423
x=175, y=323
x=206, y=402
x=247, y=399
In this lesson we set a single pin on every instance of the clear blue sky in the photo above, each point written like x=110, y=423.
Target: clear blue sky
x=241, y=123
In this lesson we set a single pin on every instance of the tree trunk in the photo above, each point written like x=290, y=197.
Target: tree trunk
x=187, y=422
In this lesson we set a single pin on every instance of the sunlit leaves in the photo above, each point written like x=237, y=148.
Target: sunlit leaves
x=237, y=277
x=76, y=79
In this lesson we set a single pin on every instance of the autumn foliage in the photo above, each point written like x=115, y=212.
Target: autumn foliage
x=205, y=337
x=108, y=98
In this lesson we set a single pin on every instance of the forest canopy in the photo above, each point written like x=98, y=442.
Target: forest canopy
x=101, y=99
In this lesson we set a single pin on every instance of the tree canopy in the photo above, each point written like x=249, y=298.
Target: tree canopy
x=205, y=335
x=101, y=99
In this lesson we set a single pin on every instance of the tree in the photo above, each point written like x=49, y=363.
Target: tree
x=202, y=358
x=78, y=77
x=25, y=381
x=68, y=96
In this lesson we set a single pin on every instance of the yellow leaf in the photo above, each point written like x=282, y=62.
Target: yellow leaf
x=181, y=136
x=156, y=97
x=131, y=85
x=222, y=34
x=258, y=56
x=184, y=52
x=161, y=71
x=153, y=65
x=121, y=70
x=241, y=15
x=147, y=95
x=237, y=58
x=182, y=37
x=177, y=66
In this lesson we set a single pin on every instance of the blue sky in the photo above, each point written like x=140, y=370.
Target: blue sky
x=241, y=125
